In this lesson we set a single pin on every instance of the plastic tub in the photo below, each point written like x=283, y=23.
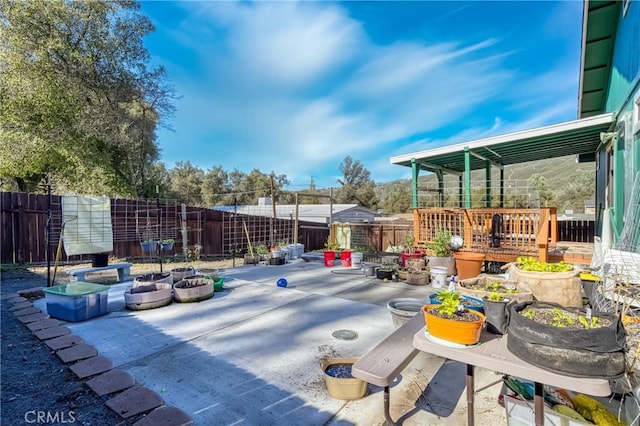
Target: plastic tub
x=403, y=309
x=77, y=301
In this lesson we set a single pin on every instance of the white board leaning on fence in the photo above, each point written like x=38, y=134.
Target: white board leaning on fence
x=86, y=224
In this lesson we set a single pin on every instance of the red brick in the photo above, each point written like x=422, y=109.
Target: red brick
x=91, y=366
x=26, y=319
x=76, y=353
x=165, y=416
x=110, y=382
x=134, y=401
x=53, y=332
x=63, y=342
x=42, y=324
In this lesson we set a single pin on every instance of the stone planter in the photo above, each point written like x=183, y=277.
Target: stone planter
x=340, y=383
x=148, y=296
x=195, y=288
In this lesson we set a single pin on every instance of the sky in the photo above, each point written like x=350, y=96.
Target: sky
x=295, y=87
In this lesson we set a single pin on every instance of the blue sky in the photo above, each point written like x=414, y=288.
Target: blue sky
x=294, y=87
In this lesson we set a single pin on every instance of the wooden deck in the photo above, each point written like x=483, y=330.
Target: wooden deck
x=502, y=234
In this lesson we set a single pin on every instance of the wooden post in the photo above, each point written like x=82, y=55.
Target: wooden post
x=296, y=224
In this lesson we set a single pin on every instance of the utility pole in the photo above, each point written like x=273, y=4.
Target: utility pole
x=273, y=210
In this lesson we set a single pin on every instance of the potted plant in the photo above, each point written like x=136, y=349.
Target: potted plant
x=439, y=252
x=467, y=302
x=483, y=285
x=148, y=246
x=552, y=282
x=567, y=340
x=417, y=275
x=388, y=268
x=194, y=288
x=263, y=251
x=180, y=273
x=496, y=313
x=329, y=252
x=149, y=291
x=410, y=251
x=452, y=322
x=167, y=244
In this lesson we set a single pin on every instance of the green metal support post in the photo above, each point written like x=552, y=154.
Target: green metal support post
x=467, y=178
x=415, y=171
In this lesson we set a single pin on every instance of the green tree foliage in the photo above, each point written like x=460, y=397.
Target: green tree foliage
x=79, y=102
x=356, y=184
x=395, y=197
x=581, y=187
x=545, y=192
x=185, y=184
x=215, y=186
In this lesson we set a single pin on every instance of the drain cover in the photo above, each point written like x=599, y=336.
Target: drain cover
x=345, y=334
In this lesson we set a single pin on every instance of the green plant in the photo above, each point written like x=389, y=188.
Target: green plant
x=331, y=245
x=262, y=249
x=168, y=241
x=534, y=265
x=440, y=244
x=409, y=244
x=561, y=318
x=531, y=314
x=495, y=297
x=589, y=323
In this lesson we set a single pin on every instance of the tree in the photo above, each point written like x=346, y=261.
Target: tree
x=185, y=183
x=214, y=186
x=395, y=197
x=542, y=185
x=79, y=102
x=357, y=186
x=580, y=189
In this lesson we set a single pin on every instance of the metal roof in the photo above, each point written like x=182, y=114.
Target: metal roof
x=578, y=137
x=599, y=24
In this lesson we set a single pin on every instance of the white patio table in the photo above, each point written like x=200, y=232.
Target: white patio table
x=492, y=354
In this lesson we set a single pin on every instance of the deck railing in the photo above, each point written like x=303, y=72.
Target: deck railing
x=502, y=234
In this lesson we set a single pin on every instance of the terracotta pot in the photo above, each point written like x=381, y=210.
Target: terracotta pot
x=462, y=332
x=468, y=264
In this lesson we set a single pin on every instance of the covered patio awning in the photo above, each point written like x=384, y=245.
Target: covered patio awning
x=579, y=137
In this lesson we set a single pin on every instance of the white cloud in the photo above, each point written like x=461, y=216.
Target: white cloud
x=295, y=87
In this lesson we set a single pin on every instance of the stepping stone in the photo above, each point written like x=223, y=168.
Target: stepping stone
x=91, y=366
x=134, y=401
x=26, y=311
x=26, y=319
x=31, y=292
x=53, y=332
x=110, y=382
x=42, y=324
x=77, y=352
x=21, y=305
x=63, y=342
x=165, y=416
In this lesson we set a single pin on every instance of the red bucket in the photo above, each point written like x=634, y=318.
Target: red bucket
x=329, y=258
x=345, y=258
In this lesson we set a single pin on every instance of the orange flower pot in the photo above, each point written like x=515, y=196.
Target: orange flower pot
x=468, y=264
x=462, y=332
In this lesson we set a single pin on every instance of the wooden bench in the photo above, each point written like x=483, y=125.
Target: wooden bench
x=382, y=364
x=124, y=270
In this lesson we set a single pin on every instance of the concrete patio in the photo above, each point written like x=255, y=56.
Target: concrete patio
x=251, y=353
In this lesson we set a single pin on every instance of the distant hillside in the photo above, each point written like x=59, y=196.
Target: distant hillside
x=563, y=176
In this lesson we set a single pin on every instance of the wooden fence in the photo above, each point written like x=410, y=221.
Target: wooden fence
x=23, y=229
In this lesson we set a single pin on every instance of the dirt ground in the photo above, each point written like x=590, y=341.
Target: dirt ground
x=36, y=387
